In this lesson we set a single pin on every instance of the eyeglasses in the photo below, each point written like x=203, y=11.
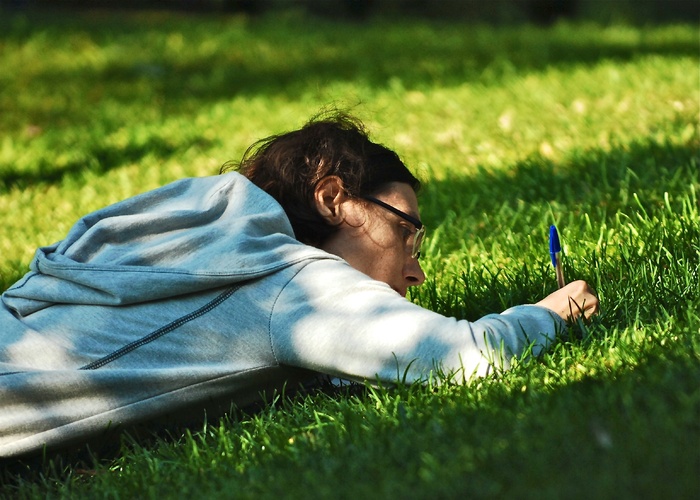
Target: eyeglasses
x=419, y=233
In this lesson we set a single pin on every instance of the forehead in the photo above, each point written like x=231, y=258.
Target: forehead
x=400, y=195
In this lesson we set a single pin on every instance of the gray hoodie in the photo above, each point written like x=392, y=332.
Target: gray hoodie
x=197, y=295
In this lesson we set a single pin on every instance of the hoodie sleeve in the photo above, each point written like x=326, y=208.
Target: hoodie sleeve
x=334, y=319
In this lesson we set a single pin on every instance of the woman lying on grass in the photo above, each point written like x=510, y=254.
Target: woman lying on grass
x=212, y=290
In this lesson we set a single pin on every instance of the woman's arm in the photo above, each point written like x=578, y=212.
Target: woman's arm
x=333, y=319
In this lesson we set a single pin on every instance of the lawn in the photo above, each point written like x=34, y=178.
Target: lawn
x=591, y=127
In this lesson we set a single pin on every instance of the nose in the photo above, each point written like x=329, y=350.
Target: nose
x=413, y=272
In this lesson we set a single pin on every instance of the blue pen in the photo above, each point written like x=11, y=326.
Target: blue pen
x=555, y=253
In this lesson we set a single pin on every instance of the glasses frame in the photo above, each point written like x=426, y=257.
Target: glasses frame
x=420, y=227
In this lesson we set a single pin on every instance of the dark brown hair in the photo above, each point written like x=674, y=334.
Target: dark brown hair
x=289, y=167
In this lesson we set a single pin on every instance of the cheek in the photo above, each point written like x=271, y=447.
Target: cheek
x=383, y=254
x=389, y=262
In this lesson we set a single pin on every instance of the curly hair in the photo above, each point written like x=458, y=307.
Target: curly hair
x=289, y=166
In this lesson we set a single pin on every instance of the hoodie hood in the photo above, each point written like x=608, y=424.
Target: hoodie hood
x=192, y=235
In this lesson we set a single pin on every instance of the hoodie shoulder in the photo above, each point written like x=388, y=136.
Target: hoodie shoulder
x=191, y=235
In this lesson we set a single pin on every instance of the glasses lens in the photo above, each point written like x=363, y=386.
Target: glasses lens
x=417, y=242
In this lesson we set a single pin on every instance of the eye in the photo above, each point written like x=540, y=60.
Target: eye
x=406, y=231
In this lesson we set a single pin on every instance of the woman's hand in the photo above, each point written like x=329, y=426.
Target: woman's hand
x=573, y=301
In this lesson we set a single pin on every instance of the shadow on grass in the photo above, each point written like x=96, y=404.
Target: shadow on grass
x=652, y=270
x=595, y=428
x=595, y=180
x=97, y=158
x=271, y=57
x=276, y=56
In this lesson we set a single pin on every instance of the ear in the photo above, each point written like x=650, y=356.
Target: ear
x=329, y=196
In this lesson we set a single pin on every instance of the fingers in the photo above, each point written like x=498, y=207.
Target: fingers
x=585, y=309
x=582, y=300
x=573, y=301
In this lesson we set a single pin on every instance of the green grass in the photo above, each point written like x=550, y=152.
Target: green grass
x=594, y=128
